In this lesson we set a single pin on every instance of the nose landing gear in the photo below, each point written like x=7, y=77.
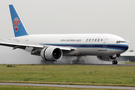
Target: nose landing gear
x=114, y=62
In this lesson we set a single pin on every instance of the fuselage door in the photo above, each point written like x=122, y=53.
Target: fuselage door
x=105, y=43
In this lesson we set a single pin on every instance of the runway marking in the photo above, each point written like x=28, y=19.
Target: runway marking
x=72, y=86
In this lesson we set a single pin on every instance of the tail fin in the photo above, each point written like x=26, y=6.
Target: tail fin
x=18, y=27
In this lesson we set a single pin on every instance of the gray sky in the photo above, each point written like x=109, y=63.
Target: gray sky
x=71, y=16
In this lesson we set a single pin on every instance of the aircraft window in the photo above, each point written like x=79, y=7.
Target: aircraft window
x=101, y=39
x=95, y=39
x=121, y=42
x=89, y=40
x=86, y=40
x=98, y=40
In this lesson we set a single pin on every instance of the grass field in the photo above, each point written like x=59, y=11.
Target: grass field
x=130, y=63
x=69, y=74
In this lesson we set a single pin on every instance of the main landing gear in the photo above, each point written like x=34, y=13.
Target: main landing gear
x=47, y=62
x=78, y=60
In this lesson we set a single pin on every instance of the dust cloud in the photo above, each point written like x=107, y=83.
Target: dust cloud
x=18, y=56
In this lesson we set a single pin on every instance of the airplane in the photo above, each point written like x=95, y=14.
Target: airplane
x=52, y=47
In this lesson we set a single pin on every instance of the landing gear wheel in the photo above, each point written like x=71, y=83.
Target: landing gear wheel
x=114, y=62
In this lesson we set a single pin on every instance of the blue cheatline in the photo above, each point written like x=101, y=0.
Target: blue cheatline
x=108, y=46
x=18, y=27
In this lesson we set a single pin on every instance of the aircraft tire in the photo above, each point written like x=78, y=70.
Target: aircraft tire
x=114, y=62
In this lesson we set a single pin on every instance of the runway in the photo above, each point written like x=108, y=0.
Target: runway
x=93, y=64
x=72, y=86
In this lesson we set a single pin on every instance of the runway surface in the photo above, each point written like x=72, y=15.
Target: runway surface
x=94, y=64
x=72, y=86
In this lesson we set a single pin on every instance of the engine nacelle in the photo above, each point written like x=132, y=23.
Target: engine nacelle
x=106, y=58
x=51, y=53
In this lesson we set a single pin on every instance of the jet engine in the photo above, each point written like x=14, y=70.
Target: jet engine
x=51, y=53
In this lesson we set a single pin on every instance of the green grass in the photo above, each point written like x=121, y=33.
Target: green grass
x=69, y=74
x=130, y=63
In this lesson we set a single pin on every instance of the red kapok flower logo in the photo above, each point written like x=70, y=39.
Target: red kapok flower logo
x=16, y=22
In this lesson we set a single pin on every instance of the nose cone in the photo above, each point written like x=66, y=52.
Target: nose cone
x=123, y=48
x=126, y=47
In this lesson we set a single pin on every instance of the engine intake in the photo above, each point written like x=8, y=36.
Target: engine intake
x=51, y=53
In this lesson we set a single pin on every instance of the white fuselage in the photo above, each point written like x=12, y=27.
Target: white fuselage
x=86, y=44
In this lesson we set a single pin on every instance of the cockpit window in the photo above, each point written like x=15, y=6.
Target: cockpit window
x=121, y=42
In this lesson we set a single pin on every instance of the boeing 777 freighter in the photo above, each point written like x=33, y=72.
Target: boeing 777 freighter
x=52, y=47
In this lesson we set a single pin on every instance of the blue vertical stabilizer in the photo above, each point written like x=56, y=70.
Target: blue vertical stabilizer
x=18, y=27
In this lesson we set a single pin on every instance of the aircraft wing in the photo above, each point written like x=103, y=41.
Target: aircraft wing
x=23, y=45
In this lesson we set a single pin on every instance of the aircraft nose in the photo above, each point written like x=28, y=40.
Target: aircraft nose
x=126, y=47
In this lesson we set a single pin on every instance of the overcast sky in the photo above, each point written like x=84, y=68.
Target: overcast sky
x=71, y=16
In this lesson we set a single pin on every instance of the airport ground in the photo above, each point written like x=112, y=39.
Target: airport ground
x=107, y=75
x=7, y=87
x=62, y=87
